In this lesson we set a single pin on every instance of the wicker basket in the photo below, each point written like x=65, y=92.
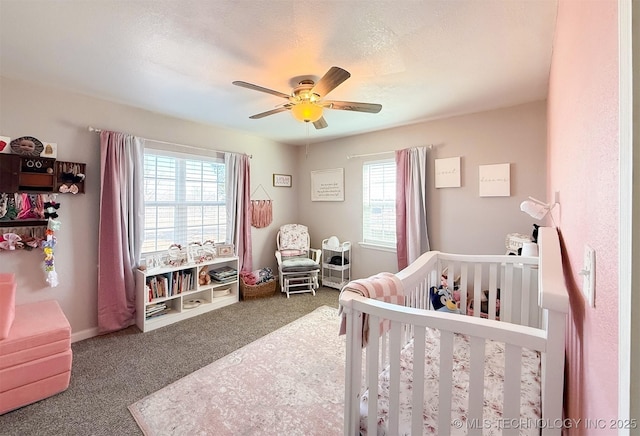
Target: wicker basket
x=262, y=290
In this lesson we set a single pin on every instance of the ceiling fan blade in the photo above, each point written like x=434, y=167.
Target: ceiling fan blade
x=320, y=124
x=372, y=108
x=331, y=79
x=271, y=112
x=260, y=88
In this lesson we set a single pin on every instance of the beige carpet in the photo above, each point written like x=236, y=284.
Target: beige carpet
x=290, y=382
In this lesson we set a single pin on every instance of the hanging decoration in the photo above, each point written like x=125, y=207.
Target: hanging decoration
x=50, y=207
x=16, y=209
x=261, y=210
x=47, y=247
x=261, y=213
x=9, y=241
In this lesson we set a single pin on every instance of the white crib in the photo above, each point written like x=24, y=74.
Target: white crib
x=459, y=390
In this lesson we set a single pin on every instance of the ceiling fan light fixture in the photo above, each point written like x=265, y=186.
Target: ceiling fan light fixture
x=307, y=103
x=306, y=111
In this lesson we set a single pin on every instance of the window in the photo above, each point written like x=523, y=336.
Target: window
x=184, y=199
x=379, y=203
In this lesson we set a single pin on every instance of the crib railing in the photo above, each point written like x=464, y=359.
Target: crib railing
x=367, y=364
x=532, y=300
x=506, y=285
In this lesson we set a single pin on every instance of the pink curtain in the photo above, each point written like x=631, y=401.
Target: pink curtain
x=121, y=228
x=238, y=183
x=412, y=239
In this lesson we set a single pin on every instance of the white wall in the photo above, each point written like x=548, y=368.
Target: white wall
x=61, y=117
x=458, y=219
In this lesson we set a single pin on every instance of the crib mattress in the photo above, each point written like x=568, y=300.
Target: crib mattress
x=530, y=404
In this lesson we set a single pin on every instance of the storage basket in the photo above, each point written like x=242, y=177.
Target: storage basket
x=261, y=290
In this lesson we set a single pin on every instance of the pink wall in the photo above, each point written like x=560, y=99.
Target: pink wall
x=583, y=168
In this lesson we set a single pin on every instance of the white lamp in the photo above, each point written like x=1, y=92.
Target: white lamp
x=537, y=209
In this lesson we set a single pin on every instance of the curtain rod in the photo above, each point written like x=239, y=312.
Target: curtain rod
x=93, y=129
x=430, y=146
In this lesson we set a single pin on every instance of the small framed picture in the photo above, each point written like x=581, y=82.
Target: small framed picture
x=4, y=144
x=282, y=180
x=224, y=250
x=50, y=150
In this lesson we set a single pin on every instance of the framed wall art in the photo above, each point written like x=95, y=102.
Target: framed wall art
x=447, y=172
x=224, y=250
x=327, y=185
x=494, y=180
x=282, y=180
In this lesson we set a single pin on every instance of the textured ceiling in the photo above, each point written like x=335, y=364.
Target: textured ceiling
x=419, y=59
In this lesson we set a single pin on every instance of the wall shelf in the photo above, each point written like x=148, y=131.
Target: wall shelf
x=39, y=175
x=23, y=223
x=26, y=174
x=68, y=175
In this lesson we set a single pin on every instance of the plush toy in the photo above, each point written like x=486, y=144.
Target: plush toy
x=484, y=305
x=534, y=234
x=442, y=300
x=203, y=276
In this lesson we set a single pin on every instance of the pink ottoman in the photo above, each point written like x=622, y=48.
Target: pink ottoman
x=7, y=303
x=35, y=358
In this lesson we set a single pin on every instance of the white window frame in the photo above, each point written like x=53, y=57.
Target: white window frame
x=381, y=232
x=211, y=227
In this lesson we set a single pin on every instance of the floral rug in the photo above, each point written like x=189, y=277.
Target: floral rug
x=290, y=382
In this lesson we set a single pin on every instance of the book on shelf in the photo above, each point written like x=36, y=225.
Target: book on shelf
x=157, y=314
x=169, y=284
x=157, y=309
x=224, y=280
x=223, y=274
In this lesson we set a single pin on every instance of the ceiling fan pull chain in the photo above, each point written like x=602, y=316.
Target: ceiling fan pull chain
x=306, y=152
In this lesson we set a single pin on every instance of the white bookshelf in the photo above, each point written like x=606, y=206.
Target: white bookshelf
x=210, y=296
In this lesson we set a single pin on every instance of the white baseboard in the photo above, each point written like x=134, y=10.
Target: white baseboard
x=84, y=334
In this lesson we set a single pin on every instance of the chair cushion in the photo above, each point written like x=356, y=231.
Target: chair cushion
x=299, y=264
x=7, y=303
x=294, y=236
x=293, y=253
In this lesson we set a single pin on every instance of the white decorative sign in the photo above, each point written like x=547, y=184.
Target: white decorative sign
x=448, y=172
x=494, y=180
x=327, y=185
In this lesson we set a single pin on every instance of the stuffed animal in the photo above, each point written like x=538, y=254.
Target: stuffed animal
x=442, y=300
x=203, y=277
x=484, y=305
x=534, y=234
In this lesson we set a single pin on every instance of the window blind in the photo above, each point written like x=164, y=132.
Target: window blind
x=379, y=203
x=184, y=198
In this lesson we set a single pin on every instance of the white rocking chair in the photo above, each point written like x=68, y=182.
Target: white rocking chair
x=298, y=264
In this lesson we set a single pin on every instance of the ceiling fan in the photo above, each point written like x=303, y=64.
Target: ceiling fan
x=306, y=101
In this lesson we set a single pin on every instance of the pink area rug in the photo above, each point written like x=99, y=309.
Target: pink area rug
x=290, y=382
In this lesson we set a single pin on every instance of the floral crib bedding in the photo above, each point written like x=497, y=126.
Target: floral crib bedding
x=530, y=404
